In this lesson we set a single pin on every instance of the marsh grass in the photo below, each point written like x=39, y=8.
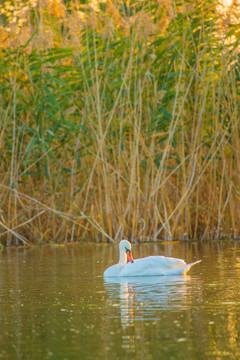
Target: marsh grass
x=121, y=121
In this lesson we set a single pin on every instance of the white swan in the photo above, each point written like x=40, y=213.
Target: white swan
x=148, y=266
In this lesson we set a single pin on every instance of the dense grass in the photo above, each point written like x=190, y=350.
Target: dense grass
x=119, y=122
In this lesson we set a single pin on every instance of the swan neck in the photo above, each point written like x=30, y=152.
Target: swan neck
x=122, y=258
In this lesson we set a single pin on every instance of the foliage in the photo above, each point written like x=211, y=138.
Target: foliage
x=118, y=120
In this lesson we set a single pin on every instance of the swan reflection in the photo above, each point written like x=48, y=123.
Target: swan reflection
x=140, y=297
x=143, y=298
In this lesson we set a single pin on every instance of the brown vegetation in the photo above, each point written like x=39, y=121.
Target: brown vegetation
x=118, y=120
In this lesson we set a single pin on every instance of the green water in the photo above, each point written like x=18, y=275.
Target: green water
x=54, y=304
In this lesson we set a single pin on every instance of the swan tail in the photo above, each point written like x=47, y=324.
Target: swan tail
x=188, y=266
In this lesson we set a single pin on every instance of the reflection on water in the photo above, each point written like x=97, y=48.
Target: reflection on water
x=55, y=305
x=142, y=298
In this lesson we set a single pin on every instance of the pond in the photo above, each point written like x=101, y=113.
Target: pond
x=55, y=304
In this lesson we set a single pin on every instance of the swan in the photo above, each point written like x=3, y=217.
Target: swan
x=148, y=266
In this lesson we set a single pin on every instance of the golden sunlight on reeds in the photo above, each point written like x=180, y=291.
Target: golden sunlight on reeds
x=119, y=120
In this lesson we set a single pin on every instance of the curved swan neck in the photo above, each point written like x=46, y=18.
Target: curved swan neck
x=122, y=258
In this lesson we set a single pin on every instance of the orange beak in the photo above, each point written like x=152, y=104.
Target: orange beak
x=130, y=256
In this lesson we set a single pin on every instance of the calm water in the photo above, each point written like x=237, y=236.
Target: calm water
x=54, y=304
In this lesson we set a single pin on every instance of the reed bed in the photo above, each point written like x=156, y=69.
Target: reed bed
x=119, y=120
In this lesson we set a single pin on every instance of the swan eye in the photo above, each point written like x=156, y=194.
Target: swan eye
x=127, y=250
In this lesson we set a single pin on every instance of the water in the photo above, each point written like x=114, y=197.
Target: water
x=54, y=304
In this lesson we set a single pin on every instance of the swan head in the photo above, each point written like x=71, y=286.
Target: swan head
x=125, y=247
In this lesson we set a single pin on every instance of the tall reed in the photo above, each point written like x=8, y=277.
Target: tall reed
x=119, y=121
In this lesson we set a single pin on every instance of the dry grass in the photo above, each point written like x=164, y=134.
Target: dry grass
x=128, y=132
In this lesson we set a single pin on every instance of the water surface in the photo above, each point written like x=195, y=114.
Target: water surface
x=55, y=304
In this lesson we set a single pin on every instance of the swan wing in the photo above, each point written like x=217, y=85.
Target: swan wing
x=151, y=266
x=156, y=266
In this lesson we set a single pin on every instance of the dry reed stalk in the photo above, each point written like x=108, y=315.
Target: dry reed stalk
x=177, y=178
